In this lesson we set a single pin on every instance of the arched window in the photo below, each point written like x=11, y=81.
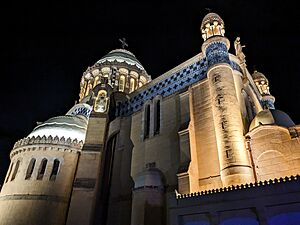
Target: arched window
x=122, y=83
x=96, y=80
x=9, y=171
x=147, y=121
x=42, y=169
x=15, y=170
x=55, y=169
x=101, y=102
x=157, y=117
x=30, y=169
x=89, y=87
x=132, y=85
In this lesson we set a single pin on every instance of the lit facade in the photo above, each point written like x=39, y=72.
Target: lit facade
x=200, y=144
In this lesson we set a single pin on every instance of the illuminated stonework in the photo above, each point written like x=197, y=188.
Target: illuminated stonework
x=200, y=144
x=119, y=69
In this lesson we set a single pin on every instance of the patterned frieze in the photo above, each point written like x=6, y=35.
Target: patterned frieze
x=172, y=84
x=216, y=52
x=29, y=141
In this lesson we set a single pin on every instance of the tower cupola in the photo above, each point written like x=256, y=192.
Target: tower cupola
x=262, y=85
x=119, y=69
x=212, y=25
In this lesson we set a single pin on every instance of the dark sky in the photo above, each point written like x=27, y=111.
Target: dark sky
x=46, y=47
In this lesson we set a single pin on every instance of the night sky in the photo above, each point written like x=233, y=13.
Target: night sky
x=46, y=47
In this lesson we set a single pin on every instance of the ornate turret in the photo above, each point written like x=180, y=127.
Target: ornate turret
x=212, y=25
x=269, y=115
x=262, y=84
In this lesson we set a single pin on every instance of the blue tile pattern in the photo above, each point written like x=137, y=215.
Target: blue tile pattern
x=216, y=52
x=174, y=83
x=236, y=66
x=268, y=104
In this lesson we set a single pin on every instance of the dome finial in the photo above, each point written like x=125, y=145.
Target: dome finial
x=208, y=9
x=123, y=42
x=212, y=25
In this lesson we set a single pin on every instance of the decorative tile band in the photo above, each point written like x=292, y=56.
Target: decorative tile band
x=174, y=83
x=268, y=104
x=216, y=52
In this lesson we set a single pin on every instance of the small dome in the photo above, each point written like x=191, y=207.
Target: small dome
x=122, y=55
x=72, y=125
x=258, y=76
x=211, y=18
x=271, y=116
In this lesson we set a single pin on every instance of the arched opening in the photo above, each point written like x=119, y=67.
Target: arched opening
x=9, y=172
x=132, y=85
x=42, y=169
x=30, y=168
x=265, y=162
x=101, y=102
x=15, y=170
x=157, y=117
x=96, y=80
x=147, y=121
x=55, y=170
x=122, y=83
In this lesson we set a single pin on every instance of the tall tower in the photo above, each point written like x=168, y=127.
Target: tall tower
x=235, y=167
x=103, y=86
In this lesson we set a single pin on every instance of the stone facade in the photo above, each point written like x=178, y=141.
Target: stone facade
x=200, y=144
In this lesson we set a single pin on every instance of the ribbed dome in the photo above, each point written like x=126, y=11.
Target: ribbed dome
x=72, y=125
x=210, y=18
x=271, y=116
x=122, y=55
x=257, y=76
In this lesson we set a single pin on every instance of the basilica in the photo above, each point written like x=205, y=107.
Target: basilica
x=202, y=144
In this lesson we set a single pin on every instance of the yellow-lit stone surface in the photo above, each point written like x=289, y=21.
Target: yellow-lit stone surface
x=217, y=132
x=279, y=156
x=40, y=201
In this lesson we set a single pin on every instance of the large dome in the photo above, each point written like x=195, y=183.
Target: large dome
x=271, y=116
x=119, y=69
x=122, y=55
